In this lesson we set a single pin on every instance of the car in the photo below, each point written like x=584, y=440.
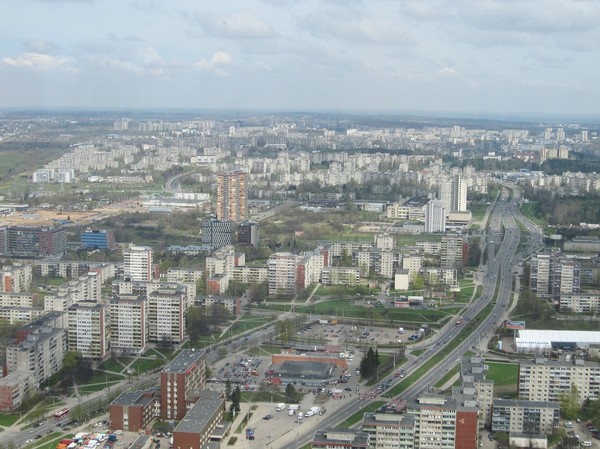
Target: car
x=267, y=417
x=28, y=441
x=586, y=443
x=38, y=436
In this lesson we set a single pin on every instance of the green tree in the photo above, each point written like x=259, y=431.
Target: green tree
x=291, y=395
x=569, y=403
x=236, y=398
x=228, y=390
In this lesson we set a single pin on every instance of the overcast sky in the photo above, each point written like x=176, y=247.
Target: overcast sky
x=491, y=56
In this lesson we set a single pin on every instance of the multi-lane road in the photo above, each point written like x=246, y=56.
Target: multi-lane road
x=498, y=280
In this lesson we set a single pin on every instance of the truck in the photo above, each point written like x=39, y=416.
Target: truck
x=400, y=330
x=323, y=321
x=294, y=407
x=280, y=407
x=313, y=411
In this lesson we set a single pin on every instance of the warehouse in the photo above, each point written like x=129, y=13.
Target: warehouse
x=538, y=341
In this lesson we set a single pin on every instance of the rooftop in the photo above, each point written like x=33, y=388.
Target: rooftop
x=201, y=413
x=185, y=360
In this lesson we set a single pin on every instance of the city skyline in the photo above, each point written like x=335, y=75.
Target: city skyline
x=431, y=56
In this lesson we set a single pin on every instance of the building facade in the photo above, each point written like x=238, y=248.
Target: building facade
x=181, y=381
x=232, y=193
x=88, y=330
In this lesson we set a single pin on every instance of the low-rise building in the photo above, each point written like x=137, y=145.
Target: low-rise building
x=133, y=411
x=531, y=417
x=202, y=423
x=14, y=389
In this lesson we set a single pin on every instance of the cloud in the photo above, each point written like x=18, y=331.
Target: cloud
x=215, y=63
x=118, y=64
x=40, y=46
x=357, y=29
x=448, y=72
x=235, y=25
x=38, y=61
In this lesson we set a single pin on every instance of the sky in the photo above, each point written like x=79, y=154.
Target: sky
x=471, y=56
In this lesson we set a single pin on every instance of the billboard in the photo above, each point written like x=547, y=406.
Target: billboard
x=516, y=325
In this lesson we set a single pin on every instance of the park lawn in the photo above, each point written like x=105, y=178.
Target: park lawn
x=111, y=365
x=142, y=365
x=9, y=419
x=478, y=212
x=456, y=370
x=97, y=387
x=342, y=308
x=262, y=350
x=502, y=373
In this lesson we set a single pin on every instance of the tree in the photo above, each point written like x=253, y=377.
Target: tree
x=236, y=397
x=368, y=364
x=569, y=403
x=228, y=390
x=291, y=395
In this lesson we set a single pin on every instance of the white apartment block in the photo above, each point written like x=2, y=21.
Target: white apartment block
x=137, y=263
x=580, y=303
x=16, y=300
x=413, y=263
x=16, y=278
x=129, y=324
x=340, y=276
x=250, y=274
x=167, y=312
x=429, y=247
x=16, y=315
x=187, y=275
x=41, y=353
x=282, y=274
x=442, y=276
x=530, y=417
x=221, y=261
x=384, y=241
x=435, y=217
x=88, y=330
x=547, y=380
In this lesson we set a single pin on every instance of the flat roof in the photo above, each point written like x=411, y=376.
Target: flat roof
x=529, y=336
x=198, y=417
x=133, y=398
x=183, y=361
x=525, y=404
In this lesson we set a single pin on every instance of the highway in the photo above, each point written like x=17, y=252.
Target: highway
x=504, y=237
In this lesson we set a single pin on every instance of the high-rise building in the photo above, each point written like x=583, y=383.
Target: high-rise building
x=167, y=313
x=282, y=274
x=248, y=233
x=435, y=217
x=137, y=263
x=180, y=383
x=88, y=330
x=453, y=194
x=529, y=417
x=33, y=241
x=129, y=324
x=232, y=192
x=216, y=233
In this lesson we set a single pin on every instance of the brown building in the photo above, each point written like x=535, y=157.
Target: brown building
x=133, y=411
x=232, y=193
x=202, y=424
x=180, y=383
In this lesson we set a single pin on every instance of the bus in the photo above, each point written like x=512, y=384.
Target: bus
x=61, y=413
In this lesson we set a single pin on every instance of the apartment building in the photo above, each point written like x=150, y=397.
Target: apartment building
x=180, y=383
x=474, y=382
x=429, y=421
x=250, y=274
x=452, y=252
x=232, y=194
x=16, y=278
x=167, y=312
x=15, y=388
x=553, y=275
x=530, y=417
x=40, y=353
x=334, y=438
x=580, y=303
x=282, y=274
x=340, y=276
x=435, y=217
x=88, y=330
x=546, y=380
x=33, y=241
x=137, y=264
x=129, y=330
x=382, y=262
x=199, y=429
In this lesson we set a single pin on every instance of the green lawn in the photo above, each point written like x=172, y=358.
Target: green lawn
x=111, y=365
x=440, y=383
x=142, y=365
x=8, y=419
x=502, y=373
x=527, y=210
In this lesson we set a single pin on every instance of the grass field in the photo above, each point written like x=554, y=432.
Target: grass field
x=503, y=373
x=527, y=210
x=440, y=383
x=142, y=365
x=111, y=365
x=9, y=419
x=358, y=416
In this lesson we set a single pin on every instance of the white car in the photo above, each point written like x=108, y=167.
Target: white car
x=28, y=441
